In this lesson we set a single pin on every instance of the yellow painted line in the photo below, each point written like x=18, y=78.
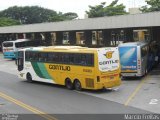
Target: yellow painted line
x=28, y=107
x=136, y=90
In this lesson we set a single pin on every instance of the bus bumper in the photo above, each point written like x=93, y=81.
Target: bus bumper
x=9, y=55
x=108, y=84
x=131, y=75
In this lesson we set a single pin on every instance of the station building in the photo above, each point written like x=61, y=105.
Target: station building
x=91, y=32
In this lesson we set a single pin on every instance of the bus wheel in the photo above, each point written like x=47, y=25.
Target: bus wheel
x=29, y=77
x=77, y=85
x=68, y=84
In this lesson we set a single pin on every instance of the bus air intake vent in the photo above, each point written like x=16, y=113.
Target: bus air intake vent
x=89, y=82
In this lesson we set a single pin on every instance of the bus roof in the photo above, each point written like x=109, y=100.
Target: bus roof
x=22, y=40
x=8, y=41
x=17, y=40
x=139, y=43
x=64, y=49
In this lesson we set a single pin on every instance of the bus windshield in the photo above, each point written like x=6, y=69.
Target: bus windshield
x=8, y=44
x=128, y=58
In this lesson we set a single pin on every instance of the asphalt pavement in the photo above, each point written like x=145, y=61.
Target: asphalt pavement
x=20, y=97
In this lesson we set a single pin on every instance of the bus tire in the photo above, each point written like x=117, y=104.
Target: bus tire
x=69, y=84
x=77, y=85
x=29, y=77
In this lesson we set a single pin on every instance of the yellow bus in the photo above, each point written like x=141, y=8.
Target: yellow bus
x=73, y=66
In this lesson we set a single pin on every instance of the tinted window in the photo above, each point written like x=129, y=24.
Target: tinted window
x=144, y=51
x=43, y=57
x=20, y=44
x=20, y=54
x=8, y=44
x=61, y=58
x=27, y=55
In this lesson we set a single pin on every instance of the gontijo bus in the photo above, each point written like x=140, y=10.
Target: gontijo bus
x=73, y=66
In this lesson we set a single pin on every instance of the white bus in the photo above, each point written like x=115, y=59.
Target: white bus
x=136, y=58
x=9, y=48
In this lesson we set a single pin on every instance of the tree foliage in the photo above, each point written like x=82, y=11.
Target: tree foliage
x=62, y=17
x=110, y=10
x=8, y=22
x=34, y=14
x=153, y=5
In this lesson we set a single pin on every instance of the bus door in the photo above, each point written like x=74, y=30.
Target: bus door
x=145, y=58
x=20, y=60
x=128, y=59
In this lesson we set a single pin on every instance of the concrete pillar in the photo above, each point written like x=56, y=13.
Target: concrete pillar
x=106, y=34
x=59, y=38
x=88, y=38
x=72, y=38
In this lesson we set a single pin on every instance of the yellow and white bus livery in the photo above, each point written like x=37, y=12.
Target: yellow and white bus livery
x=73, y=66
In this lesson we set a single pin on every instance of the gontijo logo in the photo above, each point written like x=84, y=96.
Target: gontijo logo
x=109, y=54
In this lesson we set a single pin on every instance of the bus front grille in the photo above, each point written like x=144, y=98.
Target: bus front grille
x=89, y=82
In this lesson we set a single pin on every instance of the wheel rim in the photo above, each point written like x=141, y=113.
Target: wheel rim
x=29, y=77
x=77, y=85
x=69, y=84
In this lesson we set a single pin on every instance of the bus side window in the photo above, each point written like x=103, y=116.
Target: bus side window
x=83, y=59
x=144, y=51
x=90, y=60
x=55, y=57
x=27, y=55
x=30, y=56
x=71, y=59
x=77, y=59
x=52, y=57
x=65, y=58
x=87, y=60
x=34, y=56
x=49, y=58
x=42, y=57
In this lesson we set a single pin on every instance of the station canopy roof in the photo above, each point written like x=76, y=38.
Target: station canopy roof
x=151, y=19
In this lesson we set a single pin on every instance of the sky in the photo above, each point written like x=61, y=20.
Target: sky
x=64, y=6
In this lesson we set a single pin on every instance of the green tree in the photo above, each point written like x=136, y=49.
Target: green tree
x=35, y=14
x=57, y=17
x=96, y=11
x=62, y=17
x=110, y=10
x=70, y=15
x=153, y=5
x=27, y=14
x=8, y=22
